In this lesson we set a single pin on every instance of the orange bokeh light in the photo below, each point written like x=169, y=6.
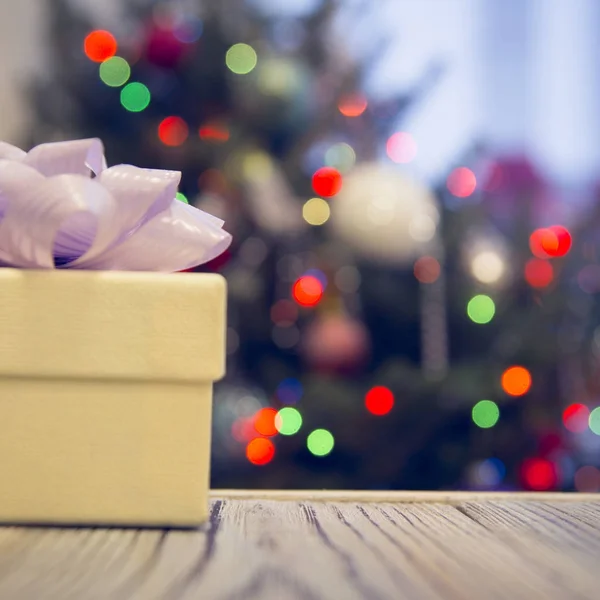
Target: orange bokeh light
x=173, y=131
x=353, y=105
x=100, y=45
x=307, y=291
x=461, y=182
x=538, y=273
x=379, y=400
x=516, y=381
x=264, y=421
x=260, y=451
x=327, y=182
x=427, y=269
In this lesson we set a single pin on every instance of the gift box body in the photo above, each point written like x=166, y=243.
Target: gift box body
x=106, y=395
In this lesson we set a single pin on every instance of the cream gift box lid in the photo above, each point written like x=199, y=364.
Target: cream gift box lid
x=111, y=324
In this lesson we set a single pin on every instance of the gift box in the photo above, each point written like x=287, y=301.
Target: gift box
x=107, y=357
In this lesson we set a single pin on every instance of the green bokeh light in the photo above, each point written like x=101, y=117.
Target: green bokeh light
x=241, y=59
x=340, y=156
x=135, y=97
x=320, y=442
x=481, y=309
x=182, y=197
x=115, y=71
x=594, y=421
x=485, y=414
x=288, y=421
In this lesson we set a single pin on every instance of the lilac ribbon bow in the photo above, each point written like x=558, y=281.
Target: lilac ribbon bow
x=54, y=214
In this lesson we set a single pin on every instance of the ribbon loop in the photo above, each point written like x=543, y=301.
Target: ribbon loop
x=53, y=215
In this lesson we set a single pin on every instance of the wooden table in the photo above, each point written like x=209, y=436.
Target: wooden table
x=324, y=545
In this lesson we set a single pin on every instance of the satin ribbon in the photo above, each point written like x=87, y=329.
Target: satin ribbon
x=61, y=207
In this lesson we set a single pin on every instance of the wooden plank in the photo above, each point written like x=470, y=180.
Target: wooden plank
x=403, y=497
x=267, y=549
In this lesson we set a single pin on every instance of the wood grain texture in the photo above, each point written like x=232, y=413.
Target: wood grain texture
x=316, y=546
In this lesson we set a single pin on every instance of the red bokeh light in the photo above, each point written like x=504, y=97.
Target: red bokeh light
x=427, y=269
x=379, y=400
x=539, y=474
x=173, y=131
x=461, y=182
x=214, y=132
x=557, y=241
x=307, y=291
x=575, y=417
x=538, y=273
x=516, y=381
x=401, y=147
x=550, y=242
x=242, y=429
x=327, y=182
x=100, y=45
x=260, y=451
x=353, y=105
x=264, y=421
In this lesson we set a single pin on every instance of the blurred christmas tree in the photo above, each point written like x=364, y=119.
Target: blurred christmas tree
x=381, y=336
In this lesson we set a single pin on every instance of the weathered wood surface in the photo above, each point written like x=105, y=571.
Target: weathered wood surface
x=330, y=546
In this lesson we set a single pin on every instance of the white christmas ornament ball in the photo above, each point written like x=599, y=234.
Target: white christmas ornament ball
x=384, y=215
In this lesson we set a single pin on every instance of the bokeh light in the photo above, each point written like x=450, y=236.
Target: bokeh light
x=181, y=197
x=289, y=391
x=242, y=430
x=516, y=381
x=135, y=97
x=487, y=473
x=353, y=105
x=115, y=71
x=189, y=31
x=320, y=442
x=587, y=479
x=260, y=451
x=214, y=132
x=557, y=241
x=316, y=211
x=539, y=474
x=427, y=269
x=264, y=421
x=288, y=421
x=461, y=182
x=575, y=417
x=485, y=414
x=594, y=421
x=327, y=182
x=481, y=309
x=100, y=45
x=307, y=291
x=241, y=59
x=538, y=273
x=488, y=267
x=341, y=157
x=422, y=228
x=401, y=147
x=550, y=242
x=173, y=131
x=379, y=400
